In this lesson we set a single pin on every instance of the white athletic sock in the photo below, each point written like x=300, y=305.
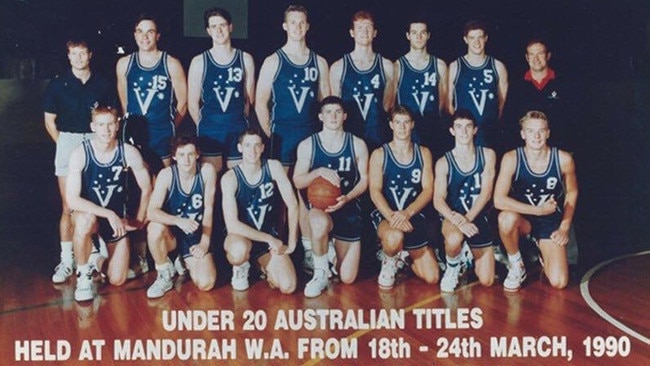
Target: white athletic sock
x=164, y=267
x=453, y=261
x=83, y=268
x=66, y=253
x=321, y=262
x=306, y=243
x=514, y=258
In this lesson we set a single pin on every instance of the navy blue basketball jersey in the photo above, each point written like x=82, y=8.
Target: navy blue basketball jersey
x=402, y=183
x=477, y=90
x=294, y=95
x=343, y=161
x=418, y=89
x=256, y=201
x=185, y=204
x=150, y=92
x=463, y=188
x=535, y=189
x=363, y=94
x=104, y=184
x=224, y=91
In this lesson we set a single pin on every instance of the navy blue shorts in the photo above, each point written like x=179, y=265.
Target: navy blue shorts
x=484, y=237
x=347, y=222
x=285, y=141
x=415, y=239
x=105, y=231
x=217, y=139
x=185, y=241
x=544, y=226
x=160, y=140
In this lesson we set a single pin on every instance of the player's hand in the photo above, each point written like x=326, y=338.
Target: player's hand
x=117, y=224
x=187, y=225
x=547, y=207
x=276, y=247
x=560, y=237
x=340, y=202
x=468, y=228
x=134, y=224
x=199, y=251
x=330, y=175
x=457, y=219
x=400, y=220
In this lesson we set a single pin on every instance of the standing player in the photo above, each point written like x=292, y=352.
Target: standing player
x=462, y=191
x=67, y=103
x=292, y=81
x=479, y=83
x=221, y=84
x=96, y=191
x=180, y=214
x=342, y=159
x=364, y=80
x=422, y=88
x=536, y=192
x=401, y=186
x=251, y=212
x=152, y=84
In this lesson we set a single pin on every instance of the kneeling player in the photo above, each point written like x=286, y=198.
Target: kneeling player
x=96, y=192
x=462, y=191
x=251, y=213
x=180, y=212
x=342, y=159
x=401, y=186
x=537, y=192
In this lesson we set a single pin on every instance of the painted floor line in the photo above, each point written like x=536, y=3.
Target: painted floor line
x=584, y=290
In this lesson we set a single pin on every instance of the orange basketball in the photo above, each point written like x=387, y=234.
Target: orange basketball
x=322, y=194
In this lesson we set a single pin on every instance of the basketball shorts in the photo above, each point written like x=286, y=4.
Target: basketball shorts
x=484, y=237
x=285, y=140
x=346, y=222
x=218, y=139
x=544, y=226
x=185, y=241
x=160, y=139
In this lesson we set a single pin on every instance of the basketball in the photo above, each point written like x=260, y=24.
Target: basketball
x=322, y=194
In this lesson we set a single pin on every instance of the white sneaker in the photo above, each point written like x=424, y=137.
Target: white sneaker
x=134, y=272
x=239, y=280
x=62, y=272
x=179, y=265
x=516, y=276
x=162, y=284
x=84, y=289
x=318, y=283
x=449, y=280
x=386, y=277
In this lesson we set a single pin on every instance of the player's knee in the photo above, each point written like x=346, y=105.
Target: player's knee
x=392, y=241
x=155, y=232
x=430, y=276
x=507, y=221
x=486, y=281
x=559, y=281
x=117, y=280
x=84, y=223
x=319, y=226
x=454, y=240
x=205, y=282
x=287, y=286
x=347, y=277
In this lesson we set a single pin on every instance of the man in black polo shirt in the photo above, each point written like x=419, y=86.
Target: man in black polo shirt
x=68, y=101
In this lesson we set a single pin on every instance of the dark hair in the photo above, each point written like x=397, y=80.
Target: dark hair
x=77, y=43
x=416, y=20
x=537, y=40
x=252, y=131
x=182, y=140
x=400, y=109
x=474, y=25
x=296, y=8
x=143, y=17
x=332, y=99
x=363, y=15
x=216, y=12
x=463, y=114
